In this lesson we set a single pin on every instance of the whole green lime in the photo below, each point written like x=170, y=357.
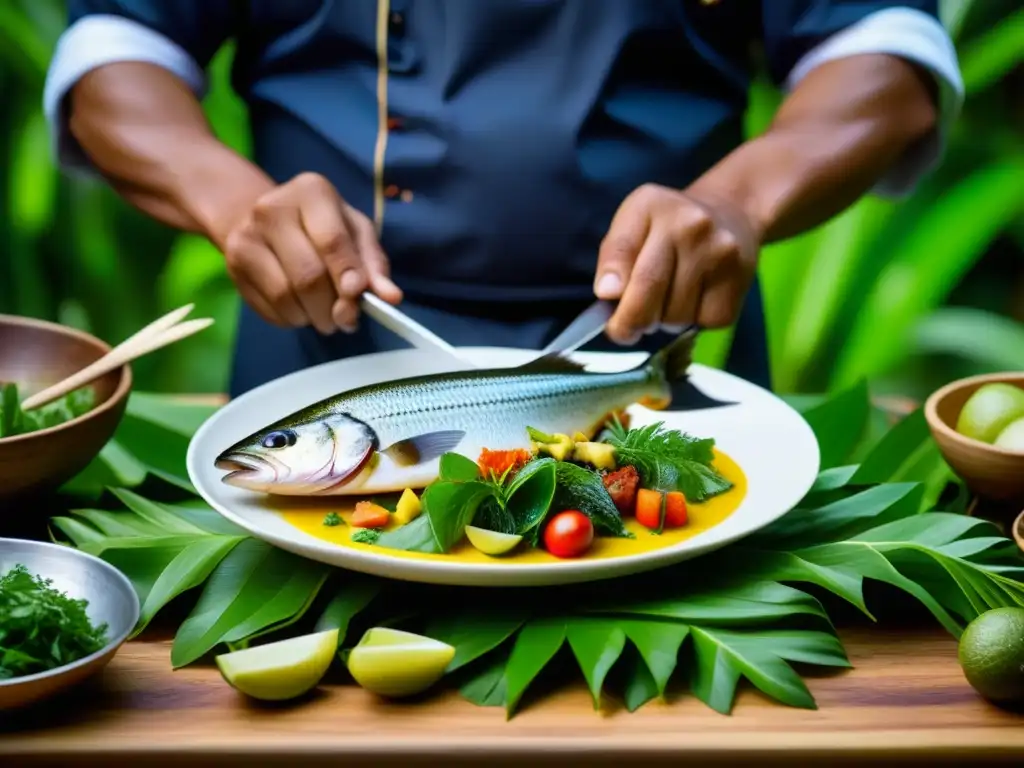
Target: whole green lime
x=990, y=410
x=992, y=654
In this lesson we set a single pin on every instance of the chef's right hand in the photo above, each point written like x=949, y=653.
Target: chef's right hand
x=303, y=256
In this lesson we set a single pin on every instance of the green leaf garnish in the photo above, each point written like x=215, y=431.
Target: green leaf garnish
x=41, y=628
x=530, y=494
x=332, y=519
x=668, y=460
x=366, y=536
x=15, y=421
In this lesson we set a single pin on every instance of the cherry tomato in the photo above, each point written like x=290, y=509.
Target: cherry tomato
x=568, y=534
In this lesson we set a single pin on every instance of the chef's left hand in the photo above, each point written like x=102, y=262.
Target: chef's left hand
x=672, y=258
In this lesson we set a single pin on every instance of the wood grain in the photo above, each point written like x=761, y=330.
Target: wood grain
x=906, y=701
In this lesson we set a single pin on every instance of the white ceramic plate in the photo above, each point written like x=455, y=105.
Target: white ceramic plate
x=769, y=440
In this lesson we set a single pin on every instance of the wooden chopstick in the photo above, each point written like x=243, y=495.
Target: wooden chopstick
x=161, y=332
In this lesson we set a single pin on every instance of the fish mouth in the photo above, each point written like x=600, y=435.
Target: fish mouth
x=239, y=466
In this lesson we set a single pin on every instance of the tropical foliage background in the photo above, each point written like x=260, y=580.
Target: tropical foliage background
x=908, y=294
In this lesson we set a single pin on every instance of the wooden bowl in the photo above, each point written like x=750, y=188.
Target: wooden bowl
x=1018, y=531
x=35, y=354
x=989, y=472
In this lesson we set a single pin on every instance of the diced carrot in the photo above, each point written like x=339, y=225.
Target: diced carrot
x=369, y=515
x=675, y=509
x=622, y=485
x=648, y=508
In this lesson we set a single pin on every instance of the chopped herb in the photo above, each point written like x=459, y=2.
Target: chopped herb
x=40, y=627
x=332, y=519
x=366, y=536
x=668, y=460
x=15, y=421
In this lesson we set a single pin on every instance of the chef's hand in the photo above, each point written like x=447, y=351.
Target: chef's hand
x=300, y=255
x=671, y=259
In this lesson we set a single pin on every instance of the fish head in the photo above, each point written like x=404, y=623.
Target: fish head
x=300, y=456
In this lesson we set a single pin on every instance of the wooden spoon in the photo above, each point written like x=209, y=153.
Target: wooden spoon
x=161, y=332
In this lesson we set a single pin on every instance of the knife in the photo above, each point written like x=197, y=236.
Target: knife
x=400, y=323
x=589, y=324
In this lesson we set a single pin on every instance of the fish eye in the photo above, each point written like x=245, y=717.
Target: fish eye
x=279, y=439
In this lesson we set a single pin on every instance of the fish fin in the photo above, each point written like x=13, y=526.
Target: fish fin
x=420, y=448
x=673, y=360
x=552, y=363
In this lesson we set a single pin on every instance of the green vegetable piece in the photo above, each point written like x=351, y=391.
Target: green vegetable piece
x=332, y=519
x=457, y=468
x=366, y=536
x=42, y=628
x=530, y=494
x=582, y=489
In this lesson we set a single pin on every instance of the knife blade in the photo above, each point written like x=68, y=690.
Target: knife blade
x=587, y=325
x=413, y=332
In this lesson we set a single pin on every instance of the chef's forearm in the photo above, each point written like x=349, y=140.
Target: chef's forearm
x=835, y=135
x=146, y=132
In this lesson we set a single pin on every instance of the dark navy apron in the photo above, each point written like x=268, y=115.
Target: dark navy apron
x=515, y=128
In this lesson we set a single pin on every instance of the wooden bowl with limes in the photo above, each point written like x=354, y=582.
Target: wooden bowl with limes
x=981, y=433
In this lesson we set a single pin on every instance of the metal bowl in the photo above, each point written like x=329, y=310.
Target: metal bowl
x=111, y=599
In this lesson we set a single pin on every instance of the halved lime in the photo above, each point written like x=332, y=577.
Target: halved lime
x=393, y=663
x=1012, y=438
x=989, y=410
x=991, y=653
x=281, y=670
x=492, y=542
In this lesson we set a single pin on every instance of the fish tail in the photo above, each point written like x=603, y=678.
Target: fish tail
x=670, y=363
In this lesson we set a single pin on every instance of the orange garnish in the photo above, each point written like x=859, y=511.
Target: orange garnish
x=500, y=462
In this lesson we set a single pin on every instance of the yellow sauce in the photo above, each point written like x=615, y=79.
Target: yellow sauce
x=308, y=516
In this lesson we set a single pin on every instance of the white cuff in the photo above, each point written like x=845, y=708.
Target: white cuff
x=92, y=42
x=917, y=37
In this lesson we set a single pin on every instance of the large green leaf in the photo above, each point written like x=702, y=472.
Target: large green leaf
x=535, y=645
x=597, y=645
x=254, y=587
x=994, y=342
x=991, y=55
x=839, y=423
x=723, y=657
x=933, y=257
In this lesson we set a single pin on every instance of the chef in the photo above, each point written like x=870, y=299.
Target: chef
x=493, y=165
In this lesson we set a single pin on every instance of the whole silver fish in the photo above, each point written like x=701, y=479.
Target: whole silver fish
x=390, y=436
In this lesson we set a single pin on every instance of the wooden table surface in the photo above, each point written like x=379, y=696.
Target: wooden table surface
x=906, y=701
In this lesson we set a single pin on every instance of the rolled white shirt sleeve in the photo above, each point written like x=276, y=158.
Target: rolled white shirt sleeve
x=915, y=36
x=95, y=41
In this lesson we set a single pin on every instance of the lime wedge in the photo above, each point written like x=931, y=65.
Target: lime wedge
x=393, y=663
x=1012, y=438
x=281, y=670
x=491, y=542
x=989, y=410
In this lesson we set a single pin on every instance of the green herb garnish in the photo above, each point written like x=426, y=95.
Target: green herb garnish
x=332, y=519
x=15, y=421
x=366, y=536
x=40, y=627
x=668, y=460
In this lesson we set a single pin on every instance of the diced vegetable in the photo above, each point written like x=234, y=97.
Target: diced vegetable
x=370, y=515
x=408, y=508
x=648, y=508
x=558, y=446
x=650, y=504
x=622, y=485
x=675, y=509
x=568, y=534
x=600, y=455
x=332, y=519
